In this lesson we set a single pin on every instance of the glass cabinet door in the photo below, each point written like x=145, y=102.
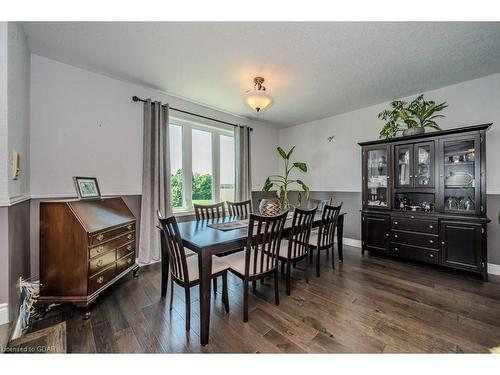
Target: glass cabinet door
x=403, y=155
x=424, y=165
x=376, y=174
x=460, y=175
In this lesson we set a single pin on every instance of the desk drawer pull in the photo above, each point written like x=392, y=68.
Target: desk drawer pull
x=100, y=237
x=100, y=279
x=129, y=247
x=99, y=263
x=129, y=236
x=129, y=227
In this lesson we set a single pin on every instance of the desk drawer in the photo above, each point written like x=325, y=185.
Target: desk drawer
x=125, y=249
x=125, y=262
x=98, y=263
x=415, y=253
x=110, y=245
x=102, y=278
x=416, y=239
x=102, y=237
x=414, y=224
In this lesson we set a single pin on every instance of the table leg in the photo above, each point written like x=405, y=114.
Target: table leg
x=205, y=269
x=340, y=237
x=165, y=269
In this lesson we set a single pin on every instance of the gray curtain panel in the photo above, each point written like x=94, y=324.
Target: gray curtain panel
x=155, y=179
x=243, y=167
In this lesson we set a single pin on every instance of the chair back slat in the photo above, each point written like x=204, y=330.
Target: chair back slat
x=209, y=211
x=327, y=225
x=174, y=248
x=242, y=209
x=263, y=243
x=298, y=240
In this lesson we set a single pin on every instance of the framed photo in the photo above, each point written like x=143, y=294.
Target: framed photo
x=87, y=187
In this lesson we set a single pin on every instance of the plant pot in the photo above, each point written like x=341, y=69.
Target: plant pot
x=413, y=131
x=270, y=207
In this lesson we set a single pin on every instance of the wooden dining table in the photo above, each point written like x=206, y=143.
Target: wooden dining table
x=206, y=241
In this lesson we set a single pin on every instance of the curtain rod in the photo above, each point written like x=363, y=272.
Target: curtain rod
x=137, y=99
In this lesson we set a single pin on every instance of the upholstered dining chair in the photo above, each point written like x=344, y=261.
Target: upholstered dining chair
x=323, y=239
x=184, y=270
x=242, y=209
x=209, y=211
x=296, y=247
x=260, y=258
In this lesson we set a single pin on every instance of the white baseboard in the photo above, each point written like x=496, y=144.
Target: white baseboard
x=4, y=313
x=350, y=242
x=494, y=269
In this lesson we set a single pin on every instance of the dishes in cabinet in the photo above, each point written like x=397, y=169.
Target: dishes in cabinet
x=458, y=179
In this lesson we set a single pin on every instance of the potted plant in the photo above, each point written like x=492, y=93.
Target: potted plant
x=283, y=182
x=416, y=116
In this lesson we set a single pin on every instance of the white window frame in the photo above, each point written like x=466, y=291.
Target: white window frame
x=187, y=166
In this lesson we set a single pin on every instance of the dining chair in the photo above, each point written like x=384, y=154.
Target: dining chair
x=242, y=209
x=184, y=270
x=318, y=203
x=260, y=258
x=209, y=211
x=324, y=238
x=296, y=247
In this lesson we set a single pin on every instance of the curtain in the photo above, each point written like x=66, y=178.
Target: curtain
x=155, y=179
x=243, y=167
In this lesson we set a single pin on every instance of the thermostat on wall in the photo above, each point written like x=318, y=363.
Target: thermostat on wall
x=16, y=166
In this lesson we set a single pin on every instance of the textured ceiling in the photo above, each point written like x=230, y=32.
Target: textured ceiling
x=313, y=70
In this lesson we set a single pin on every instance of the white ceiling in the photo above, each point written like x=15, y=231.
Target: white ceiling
x=313, y=70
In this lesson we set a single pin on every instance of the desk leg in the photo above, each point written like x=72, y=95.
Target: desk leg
x=205, y=269
x=340, y=237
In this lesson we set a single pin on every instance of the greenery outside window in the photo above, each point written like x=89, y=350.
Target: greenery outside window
x=202, y=162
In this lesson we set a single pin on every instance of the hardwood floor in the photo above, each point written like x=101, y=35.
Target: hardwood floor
x=366, y=305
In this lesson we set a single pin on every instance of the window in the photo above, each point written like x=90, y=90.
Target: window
x=202, y=164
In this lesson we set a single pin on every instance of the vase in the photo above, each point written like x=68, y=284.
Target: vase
x=270, y=207
x=413, y=131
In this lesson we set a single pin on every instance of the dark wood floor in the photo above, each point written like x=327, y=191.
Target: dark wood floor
x=368, y=304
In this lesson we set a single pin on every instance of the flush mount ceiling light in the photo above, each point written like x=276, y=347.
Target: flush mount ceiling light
x=258, y=99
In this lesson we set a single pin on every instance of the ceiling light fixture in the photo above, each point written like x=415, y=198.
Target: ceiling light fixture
x=258, y=99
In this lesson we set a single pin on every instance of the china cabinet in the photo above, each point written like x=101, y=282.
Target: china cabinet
x=424, y=198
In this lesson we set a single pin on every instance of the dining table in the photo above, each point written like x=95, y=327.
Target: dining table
x=205, y=240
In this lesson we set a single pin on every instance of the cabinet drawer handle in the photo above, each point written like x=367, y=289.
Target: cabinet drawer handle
x=431, y=241
x=100, y=279
x=100, y=249
x=100, y=237
x=442, y=242
x=129, y=260
x=395, y=236
x=396, y=222
x=99, y=263
x=396, y=249
x=129, y=226
x=129, y=236
x=431, y=226
x=431, y=255
x=129, y=247
x=387, y=234
x=413, y=217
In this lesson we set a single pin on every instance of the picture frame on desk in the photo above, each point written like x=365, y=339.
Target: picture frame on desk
x=87, y=187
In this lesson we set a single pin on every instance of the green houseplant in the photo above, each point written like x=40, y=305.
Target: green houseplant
x=283, y=182
x=411, y=118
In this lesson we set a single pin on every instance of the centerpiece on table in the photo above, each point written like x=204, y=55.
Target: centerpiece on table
x=415, y=116
x=283, y=183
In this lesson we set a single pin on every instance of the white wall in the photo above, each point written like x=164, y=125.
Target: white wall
x=83, y=123
x=336, y=166
x=4, y=190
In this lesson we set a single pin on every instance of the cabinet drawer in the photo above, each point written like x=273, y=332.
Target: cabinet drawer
x=98, y=263
x=102, y=237
x=415, y=253
x=102, y=278
x=125, y=249
x=125, y=262
x=415, y=225
x=110, y=245
x=416, y=239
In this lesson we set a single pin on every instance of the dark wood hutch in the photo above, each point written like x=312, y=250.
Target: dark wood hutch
x=424, y=198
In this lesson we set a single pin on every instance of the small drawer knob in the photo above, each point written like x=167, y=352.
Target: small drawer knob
x=413, y=217
x=395, y=236
x=99, y=263
x=396, y=222
x=100, y=249
x=100, y=237
x=387, y=234
x=100, y=279
x=431, y=241
x=129, y=247
x=431, y=255
x=129, y=236
x=442, y=242
x=396, y=249
x=129, y=227
x=129, y=260
x=431, y=226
